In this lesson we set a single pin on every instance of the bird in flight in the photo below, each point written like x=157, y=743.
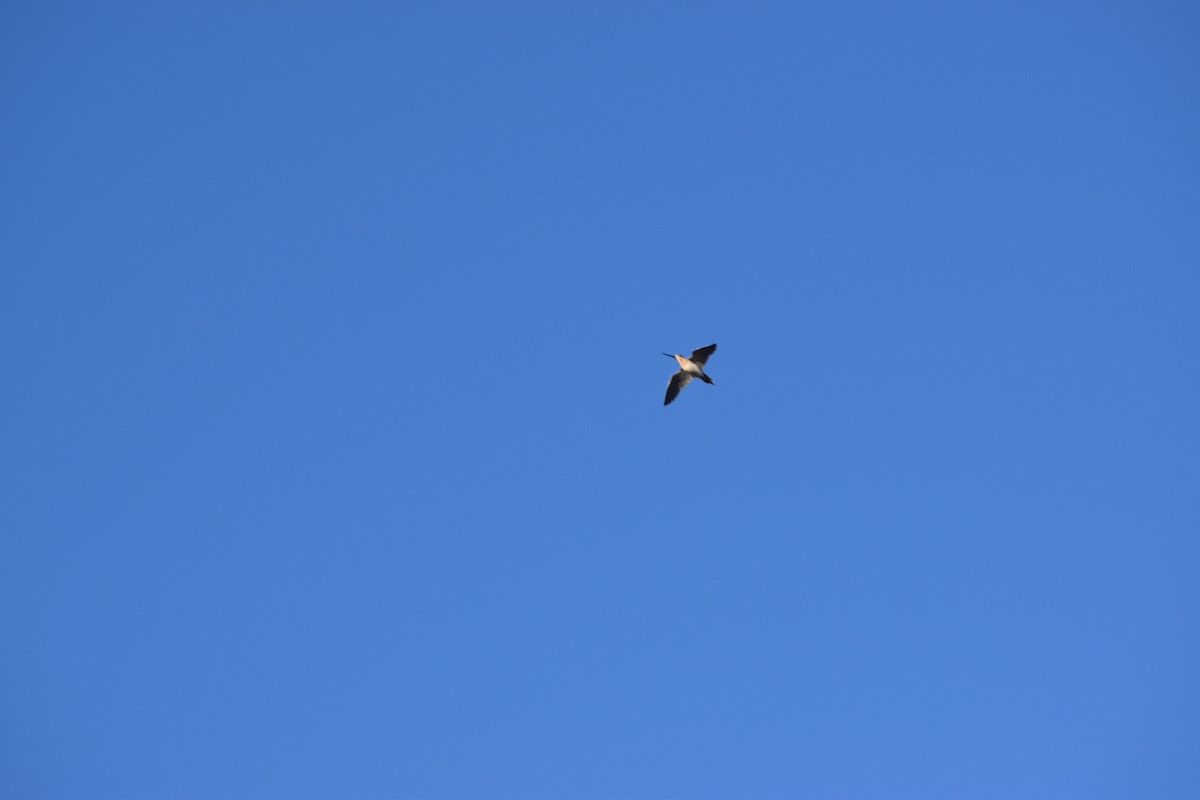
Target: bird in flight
x=688, y=368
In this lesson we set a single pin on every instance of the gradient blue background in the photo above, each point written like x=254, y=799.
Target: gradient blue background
x=334, y=460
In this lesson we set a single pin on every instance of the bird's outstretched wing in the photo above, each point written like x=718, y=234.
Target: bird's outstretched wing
x=678, y=381
x=701, y=354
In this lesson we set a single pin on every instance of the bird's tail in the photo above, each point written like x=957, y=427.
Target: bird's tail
x=705, y=378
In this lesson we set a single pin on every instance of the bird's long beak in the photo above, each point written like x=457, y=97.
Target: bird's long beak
x=668, y=355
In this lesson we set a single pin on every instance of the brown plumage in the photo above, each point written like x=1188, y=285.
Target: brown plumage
x=688, y=368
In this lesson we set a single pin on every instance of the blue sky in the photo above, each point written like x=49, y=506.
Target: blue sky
x=334, y=460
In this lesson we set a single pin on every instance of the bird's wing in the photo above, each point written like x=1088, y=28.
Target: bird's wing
x=701, y=354
x=678, y=381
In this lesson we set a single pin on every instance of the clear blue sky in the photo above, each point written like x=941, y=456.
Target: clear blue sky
x=334, y=459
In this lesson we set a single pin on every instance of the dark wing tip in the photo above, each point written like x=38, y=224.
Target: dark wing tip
x=701, y=354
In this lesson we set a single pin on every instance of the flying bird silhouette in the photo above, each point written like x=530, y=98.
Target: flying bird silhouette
x=688, y=368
